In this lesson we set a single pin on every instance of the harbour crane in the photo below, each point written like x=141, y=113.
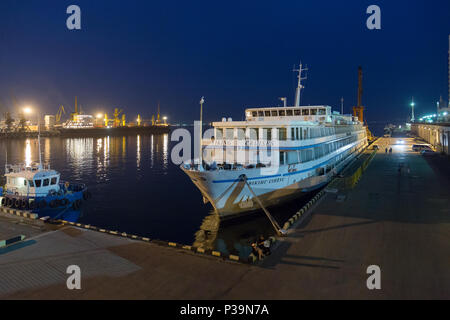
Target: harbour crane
x=139, y=120
x=106, y=120
x=358, y=110
x=117, y=113
x=73, y=115
x=59, y=114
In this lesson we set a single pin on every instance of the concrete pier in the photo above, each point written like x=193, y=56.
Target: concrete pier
x=397, y=217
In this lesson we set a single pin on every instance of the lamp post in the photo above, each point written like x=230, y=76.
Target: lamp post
x=412, y=106
x=25, y=111
x=99, y=119
x=202, y=101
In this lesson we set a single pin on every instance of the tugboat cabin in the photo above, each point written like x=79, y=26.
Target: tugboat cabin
x=34, y=180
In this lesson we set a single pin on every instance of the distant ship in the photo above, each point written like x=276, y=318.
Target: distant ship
x=281, y=152
x=86, y=125
x=114, y=130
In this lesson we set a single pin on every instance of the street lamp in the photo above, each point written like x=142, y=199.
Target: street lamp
x=412, y=106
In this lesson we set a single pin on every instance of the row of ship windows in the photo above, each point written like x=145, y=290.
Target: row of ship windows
x=306, y=155
x=297, y=133
x=288, y=157
x=287, y=112
x=33, y=183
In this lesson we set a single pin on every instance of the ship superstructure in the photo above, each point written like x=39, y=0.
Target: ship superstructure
x=282, y=152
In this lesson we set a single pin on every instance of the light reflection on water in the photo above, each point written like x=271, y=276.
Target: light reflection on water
x=28, y=160
x=138, y=190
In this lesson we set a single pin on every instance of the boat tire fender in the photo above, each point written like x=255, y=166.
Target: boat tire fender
x=24, y=204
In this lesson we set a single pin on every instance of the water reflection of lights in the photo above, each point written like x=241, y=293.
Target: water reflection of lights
x=80, y=151
x=138, y=151
x=106, y=151
x=28, y=160
x=165, y=151
x=152, y=156
x=99, y=145
x=47, y=150
x=124, y=147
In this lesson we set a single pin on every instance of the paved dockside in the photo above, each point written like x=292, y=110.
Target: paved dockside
x=397, y=217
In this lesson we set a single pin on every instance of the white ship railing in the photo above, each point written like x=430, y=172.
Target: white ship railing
x=17, y=168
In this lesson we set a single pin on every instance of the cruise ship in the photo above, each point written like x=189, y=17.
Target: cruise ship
x=276, y=154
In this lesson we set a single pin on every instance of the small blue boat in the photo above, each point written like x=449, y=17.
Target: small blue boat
x=37, y=188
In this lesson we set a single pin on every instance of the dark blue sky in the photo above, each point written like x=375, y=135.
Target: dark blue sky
x=130, y=54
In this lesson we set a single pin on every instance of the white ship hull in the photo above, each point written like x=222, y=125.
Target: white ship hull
x=230, y=196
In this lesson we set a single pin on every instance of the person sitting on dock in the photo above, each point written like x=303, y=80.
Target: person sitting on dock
x=257, y=251
x=264, y=245
x=385, y=150
x=390, y=150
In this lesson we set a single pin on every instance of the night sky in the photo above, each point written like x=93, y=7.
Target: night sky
x=132, y=54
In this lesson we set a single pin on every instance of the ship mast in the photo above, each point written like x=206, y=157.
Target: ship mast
x=39, y=142
x=299, y=86
x=202, y=101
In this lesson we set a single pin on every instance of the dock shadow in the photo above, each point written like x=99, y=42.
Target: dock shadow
x=304, y=232
x=280, y=254
x=17, y=246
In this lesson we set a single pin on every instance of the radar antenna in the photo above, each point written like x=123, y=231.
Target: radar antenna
x=299, y=86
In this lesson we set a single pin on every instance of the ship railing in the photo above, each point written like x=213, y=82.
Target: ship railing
x=236, y=142
x=224, y=166
x=17, y=168
x=64, y=187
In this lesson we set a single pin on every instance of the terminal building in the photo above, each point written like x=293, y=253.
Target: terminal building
x=436, y=134
x=435, y=128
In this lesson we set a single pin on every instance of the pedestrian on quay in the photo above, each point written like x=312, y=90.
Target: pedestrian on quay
x=264, y=245
x=257, y=251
